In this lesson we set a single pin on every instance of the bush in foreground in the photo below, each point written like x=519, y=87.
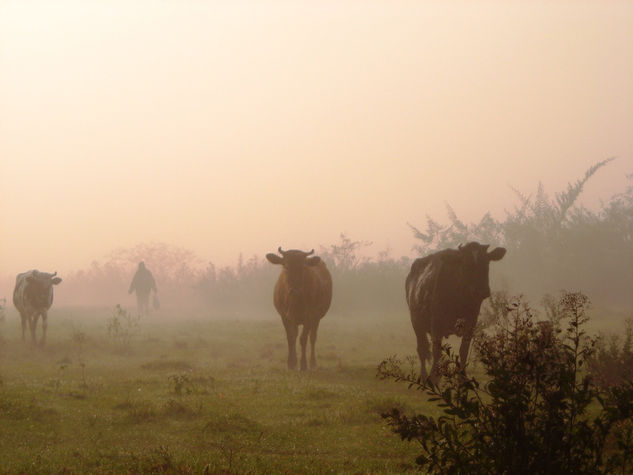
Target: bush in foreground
x=538, y=412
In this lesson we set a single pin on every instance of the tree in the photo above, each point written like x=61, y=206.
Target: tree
x=344, y=255
x=553, y=242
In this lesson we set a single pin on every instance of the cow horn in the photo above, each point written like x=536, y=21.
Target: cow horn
x=280, y=251
x=459, y=247
x=309, y=253
x=54, y=274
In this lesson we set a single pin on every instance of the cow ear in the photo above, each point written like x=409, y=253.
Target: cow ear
x=497, y=254
x=313, y=261
x=274, y=258
x=56, y=280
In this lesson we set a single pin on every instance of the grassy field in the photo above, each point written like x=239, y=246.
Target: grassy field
x=183, y=394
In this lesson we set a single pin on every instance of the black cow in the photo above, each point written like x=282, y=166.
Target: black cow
x=302, y=296
x=444, y=293
x=33, y=296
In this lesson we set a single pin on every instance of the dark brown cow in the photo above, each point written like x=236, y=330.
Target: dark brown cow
x=444, y=293
x=302, y=297
x=33, y=296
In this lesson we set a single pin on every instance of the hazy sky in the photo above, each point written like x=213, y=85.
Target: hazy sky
x=237, y=126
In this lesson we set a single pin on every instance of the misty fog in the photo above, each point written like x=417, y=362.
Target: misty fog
x=553, y=244
x=196, y=137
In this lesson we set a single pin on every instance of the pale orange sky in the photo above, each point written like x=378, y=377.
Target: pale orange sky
x=238, y=126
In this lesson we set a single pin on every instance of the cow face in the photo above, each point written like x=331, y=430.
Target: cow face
x=475, y=263
x=40, y=287
x=295, y=264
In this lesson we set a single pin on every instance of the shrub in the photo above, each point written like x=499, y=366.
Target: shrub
x=538, y=412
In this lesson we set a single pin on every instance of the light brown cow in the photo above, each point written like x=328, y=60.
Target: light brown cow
x=302, y=296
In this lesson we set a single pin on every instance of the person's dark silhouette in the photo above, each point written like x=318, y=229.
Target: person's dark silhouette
x=143, y=283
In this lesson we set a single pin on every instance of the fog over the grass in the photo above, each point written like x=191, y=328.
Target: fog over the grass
x=235, y=127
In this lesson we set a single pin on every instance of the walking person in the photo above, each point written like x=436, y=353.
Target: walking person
x=143, y=283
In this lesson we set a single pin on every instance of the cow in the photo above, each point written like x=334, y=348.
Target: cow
x=444, y=293
x=33, y=296
x=302, y=296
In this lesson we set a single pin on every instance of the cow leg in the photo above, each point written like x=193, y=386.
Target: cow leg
x=33, y=325
x=303, y=339
x=423, y=353
x=23, y=318
x=44, y=326
x=421, y=331
x=463, y=349
x=313, y=337
x=291, y=335
x=437, y=353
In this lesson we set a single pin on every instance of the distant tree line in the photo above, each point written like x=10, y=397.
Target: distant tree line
x=552, y=243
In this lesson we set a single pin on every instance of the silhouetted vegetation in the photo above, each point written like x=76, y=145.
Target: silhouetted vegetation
x=552, y=243
x=365, y=287
x=538, y=410
x=175, y=269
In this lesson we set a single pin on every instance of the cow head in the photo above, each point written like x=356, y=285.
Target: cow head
x=474, y=260
x=295, y=264
x=41, y=286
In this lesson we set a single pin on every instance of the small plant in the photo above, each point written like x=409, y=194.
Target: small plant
x=229, y=448
x=187, y=383
x=57, y=383
x=537, y=413
x=122, y=327
x=79, y=340
x=181, y=384
x=164, y=462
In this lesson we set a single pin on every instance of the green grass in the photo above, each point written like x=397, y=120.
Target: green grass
x=187, y=394
x=191, y=395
